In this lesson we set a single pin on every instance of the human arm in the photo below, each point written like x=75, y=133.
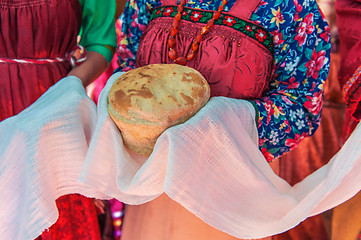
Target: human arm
x=291, y=110
x=98, y=37
x=120, y=5
x=94, y=65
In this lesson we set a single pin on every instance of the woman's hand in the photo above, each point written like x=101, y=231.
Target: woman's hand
x=94, y=65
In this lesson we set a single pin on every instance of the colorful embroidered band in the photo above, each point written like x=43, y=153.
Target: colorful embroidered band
x=200, y=16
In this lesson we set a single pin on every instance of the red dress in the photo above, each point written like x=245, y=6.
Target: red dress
x=34, y=30
x=34, y=40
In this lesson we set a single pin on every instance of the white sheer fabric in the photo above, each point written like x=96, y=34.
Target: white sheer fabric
x=42, y=151
x=211, y=165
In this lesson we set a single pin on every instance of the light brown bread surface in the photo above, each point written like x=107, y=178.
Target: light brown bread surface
x=144, y=102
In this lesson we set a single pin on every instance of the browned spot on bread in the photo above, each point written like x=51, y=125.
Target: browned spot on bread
x=143, y=93
x=173, y=98
x=143, y=75
x=120, y=101
x=188, y=99
x=119, y=94
x=147, y=67
x=192, y=77
x=124, y=76
x=197, y=92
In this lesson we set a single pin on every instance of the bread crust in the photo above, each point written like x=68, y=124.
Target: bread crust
x=145, y=101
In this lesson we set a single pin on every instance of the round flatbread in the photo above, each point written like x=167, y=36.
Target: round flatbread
x=145, y=101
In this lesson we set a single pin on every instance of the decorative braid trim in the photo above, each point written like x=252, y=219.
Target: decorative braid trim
x=33, y=60
x=351, y=91
x=346, y=87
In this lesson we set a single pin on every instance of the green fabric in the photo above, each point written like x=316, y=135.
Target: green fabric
x=98, y=26
x=257, y=112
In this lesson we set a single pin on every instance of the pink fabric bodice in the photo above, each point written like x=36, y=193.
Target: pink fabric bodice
x=234, y=64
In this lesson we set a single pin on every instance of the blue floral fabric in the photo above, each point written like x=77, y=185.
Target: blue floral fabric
x=291, y=110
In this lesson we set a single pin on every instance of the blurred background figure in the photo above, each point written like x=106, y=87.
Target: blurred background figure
x=346, y=220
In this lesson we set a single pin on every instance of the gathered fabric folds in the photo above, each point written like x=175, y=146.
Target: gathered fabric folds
x=211, y=165
x=42, y=150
